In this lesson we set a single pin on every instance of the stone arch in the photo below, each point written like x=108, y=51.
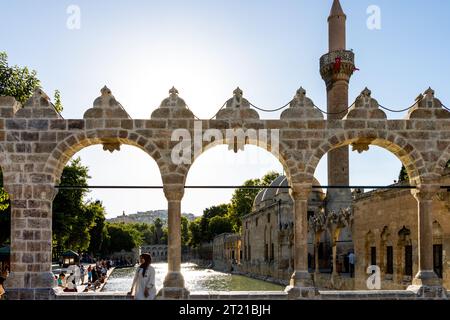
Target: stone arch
x=441, y=163
x=404, y=150
x=282, y=156
x=75, y=142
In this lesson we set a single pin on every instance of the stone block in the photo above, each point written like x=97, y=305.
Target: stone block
x=75, y=124
x=58, y=124
x=34, y=124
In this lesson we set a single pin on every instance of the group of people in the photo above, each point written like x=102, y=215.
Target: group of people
x=142, y=288
x=96, y=275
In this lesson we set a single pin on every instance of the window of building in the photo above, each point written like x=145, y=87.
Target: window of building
x=310, y=214
x=389, y=260
x=321, y=255
x=272, y=252
x=268, y=218
x=437, y=259
x=373, y=256
x=257, y=221
x=266, y=252
x=408, y=261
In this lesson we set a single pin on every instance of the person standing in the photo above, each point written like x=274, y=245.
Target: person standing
x=89, y=271
x=144, y=280
x=351, y=263
x=82, y=272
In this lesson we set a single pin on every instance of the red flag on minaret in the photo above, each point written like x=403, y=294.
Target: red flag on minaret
x=337, y=64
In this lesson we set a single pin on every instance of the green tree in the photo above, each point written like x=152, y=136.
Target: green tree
x=147, y=232
x=196, y=232
x=15, y=81
x=5, y=226
x=242, y=199
x=209, y=213
x=4, y=196
x=220, y=224
x=98, y=232
x=403, y=175
x=69, y=210
x=121, y=237
x=165, y=236
x=58, y=103
x=158, y=231
x=185, y=234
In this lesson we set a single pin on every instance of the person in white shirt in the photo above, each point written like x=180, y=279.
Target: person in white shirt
x=351, y=263
x=143, y=285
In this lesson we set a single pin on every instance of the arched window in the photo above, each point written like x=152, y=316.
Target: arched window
x=387, y=251
x=405, y=246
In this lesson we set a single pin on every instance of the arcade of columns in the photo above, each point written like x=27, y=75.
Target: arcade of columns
x=36, y=143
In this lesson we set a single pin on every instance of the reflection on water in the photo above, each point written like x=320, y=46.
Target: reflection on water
x=196, y=279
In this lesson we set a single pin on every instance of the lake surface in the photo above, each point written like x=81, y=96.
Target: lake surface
x=196, y=279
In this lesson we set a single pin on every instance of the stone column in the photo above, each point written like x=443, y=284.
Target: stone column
x=336, y=280
x=31, y=276
x=174, y=281
x=426, y=283
x=301, y=284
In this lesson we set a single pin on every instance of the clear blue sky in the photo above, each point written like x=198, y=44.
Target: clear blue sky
x=207, y=48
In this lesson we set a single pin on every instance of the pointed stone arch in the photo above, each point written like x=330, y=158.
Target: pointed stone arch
x=75, y=142
x=360, y=139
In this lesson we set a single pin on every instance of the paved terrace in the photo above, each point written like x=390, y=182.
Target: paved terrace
x=256, y=295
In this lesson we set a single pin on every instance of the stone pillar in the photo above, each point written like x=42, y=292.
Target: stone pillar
x=174, y=282
x=31, y=276
x=426, y=283
x=336, y=281
x=301, y=284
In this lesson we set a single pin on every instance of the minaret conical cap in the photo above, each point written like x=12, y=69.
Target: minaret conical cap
x=336, y=9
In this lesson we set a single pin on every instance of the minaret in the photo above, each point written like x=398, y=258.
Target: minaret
x=336, y=68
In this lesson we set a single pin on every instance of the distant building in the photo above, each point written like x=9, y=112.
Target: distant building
x=227, y=251
x=268, y=234
x=147, y=217
x=158, y=252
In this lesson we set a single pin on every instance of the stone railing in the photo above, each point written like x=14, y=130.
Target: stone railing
x=330, y=58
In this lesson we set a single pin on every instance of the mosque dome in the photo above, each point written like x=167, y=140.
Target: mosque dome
x=281, y=182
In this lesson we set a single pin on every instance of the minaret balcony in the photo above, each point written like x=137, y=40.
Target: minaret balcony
x=337, y=65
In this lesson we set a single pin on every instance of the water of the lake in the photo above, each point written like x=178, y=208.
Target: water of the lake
x=196, y=279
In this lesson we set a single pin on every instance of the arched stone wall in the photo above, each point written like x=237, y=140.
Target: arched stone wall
x=36, y=143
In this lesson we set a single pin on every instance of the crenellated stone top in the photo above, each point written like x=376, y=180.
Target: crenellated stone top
x=38, y=106
x=428, y=107
x=365, y=107
x=106, y=106
x=8, y=106
x=301, y=107
x=172, y=107
x=237, y=108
